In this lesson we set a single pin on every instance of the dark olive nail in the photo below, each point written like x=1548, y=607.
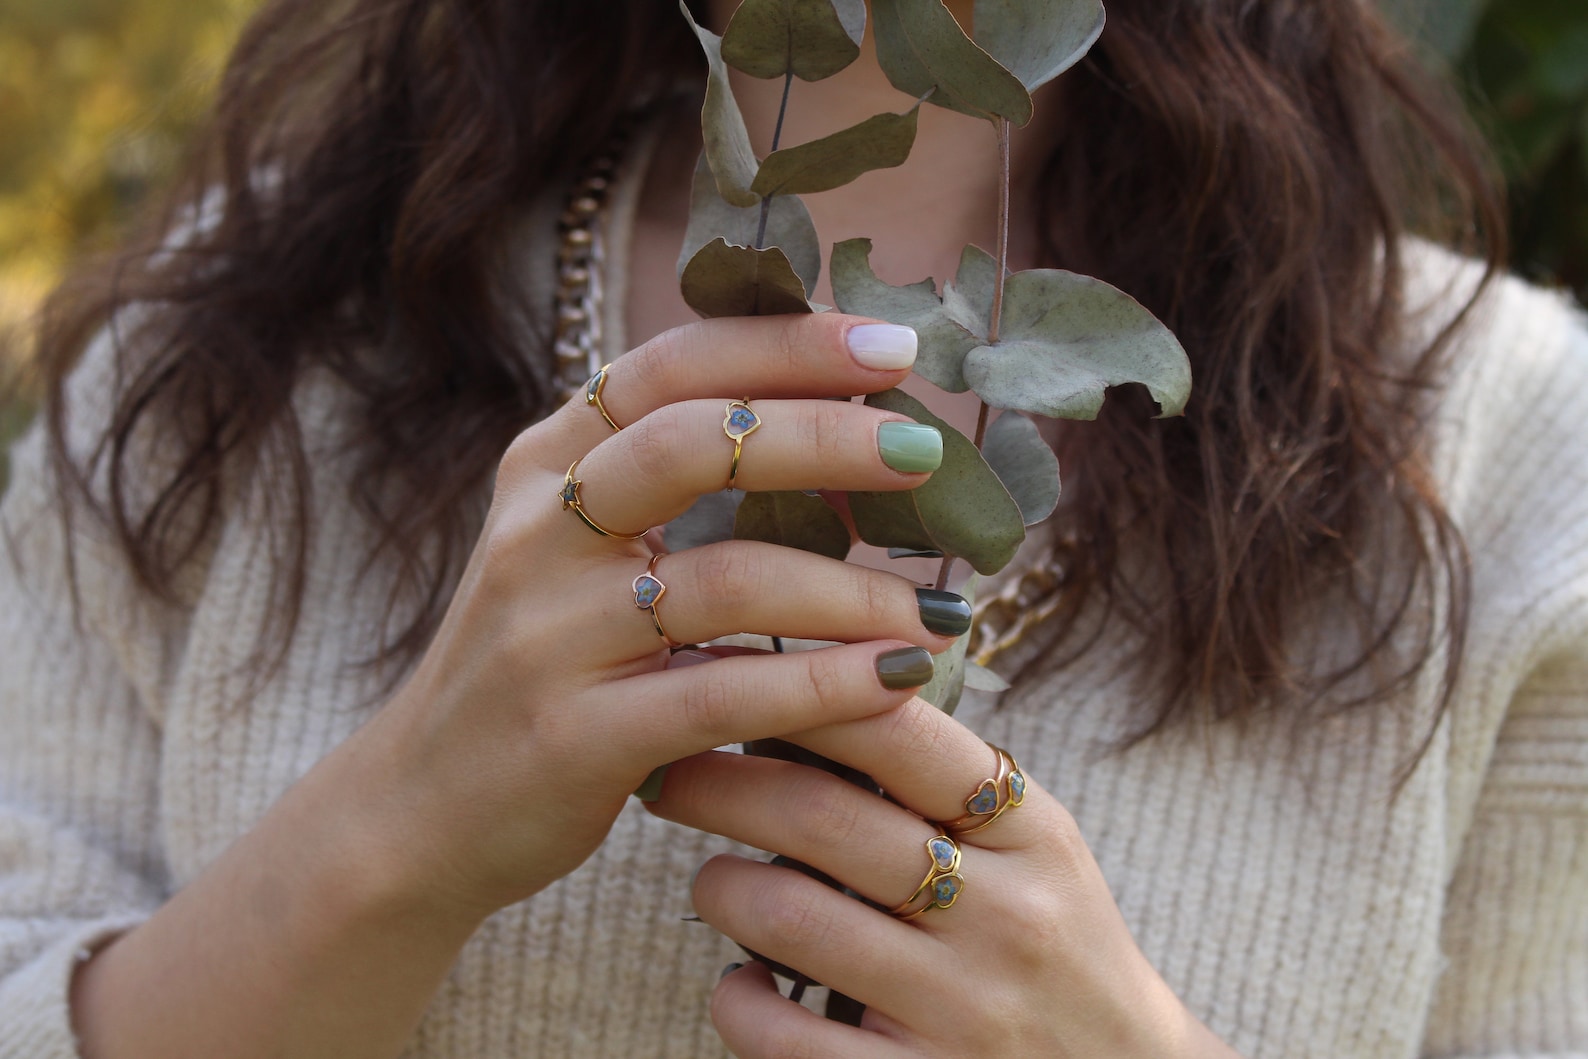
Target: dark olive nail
x=726, y=971
x=945, y=613
x=651, y=789
x=907, y=667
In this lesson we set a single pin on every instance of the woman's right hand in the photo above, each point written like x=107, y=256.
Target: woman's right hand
x=545, y=698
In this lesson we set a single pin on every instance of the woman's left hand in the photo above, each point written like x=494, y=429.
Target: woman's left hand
x=1032, y=958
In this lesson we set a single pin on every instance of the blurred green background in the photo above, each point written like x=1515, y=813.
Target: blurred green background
x=98, y=96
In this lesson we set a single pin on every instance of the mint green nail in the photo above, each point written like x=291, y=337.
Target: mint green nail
x=912, y=448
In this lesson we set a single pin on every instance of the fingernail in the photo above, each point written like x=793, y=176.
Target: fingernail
x=726, y=971
x=907, y=667
x=883, y=347
x=945, y=613
x=680, y=659
x=910, y=447
x=651, y=789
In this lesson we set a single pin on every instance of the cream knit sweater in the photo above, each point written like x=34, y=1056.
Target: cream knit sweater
x=1295, y=900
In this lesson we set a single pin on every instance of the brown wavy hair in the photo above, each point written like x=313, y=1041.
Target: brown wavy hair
x=1250, y=172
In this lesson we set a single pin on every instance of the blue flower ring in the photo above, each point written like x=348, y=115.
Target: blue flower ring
x=992, y=797
x=943, y=883
x=592, y=395
x=738, y=422
x=648, y=592
x=569, y=495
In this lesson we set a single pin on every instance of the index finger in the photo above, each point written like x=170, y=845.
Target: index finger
x=809, y=355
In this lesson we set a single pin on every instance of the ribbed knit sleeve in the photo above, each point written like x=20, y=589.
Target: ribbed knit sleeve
x=79, y=763
x=1515, y=940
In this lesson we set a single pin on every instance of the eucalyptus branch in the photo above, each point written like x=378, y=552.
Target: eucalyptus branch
x=995, y=318
x=777, y=138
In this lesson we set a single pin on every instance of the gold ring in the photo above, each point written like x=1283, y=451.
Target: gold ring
x=648, y=592
x=738, y=422
x=992, y=798
x=592, y=395
x=570, y=501
x=943, y=883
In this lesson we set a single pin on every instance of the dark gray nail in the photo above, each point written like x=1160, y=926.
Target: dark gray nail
x=726, y=971
x=945, y=613
x=907, y=667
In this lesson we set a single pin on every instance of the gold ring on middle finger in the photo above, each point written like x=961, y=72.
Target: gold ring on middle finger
x=738, y=422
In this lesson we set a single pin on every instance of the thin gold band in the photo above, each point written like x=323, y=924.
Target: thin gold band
x=943, y=883
x=992, y=797
x=592, y=395
x=738, y=423
x=648, y=593
x=569, y=495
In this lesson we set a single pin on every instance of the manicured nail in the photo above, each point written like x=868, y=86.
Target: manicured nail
x=726, y=971
x=907, y=667
x=910, y=447
x=883, y=347
x=680, y=659
x=945, y=613
x=651, y=789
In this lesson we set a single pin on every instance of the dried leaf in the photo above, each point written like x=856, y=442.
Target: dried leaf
x=879, y=142
x=921, y=47
x=723, y=280
x=1065, y=339
x=943, y=343
x=812, y=39
x=1014, y=449
x=1037, y=40
x=722, y=126
x=788, y=226
x=709, y=520
x=962, y=510
x=793, y=520
x=979, y=678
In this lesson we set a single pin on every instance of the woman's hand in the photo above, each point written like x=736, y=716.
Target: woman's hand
x=545, y=698
x=1032, y=958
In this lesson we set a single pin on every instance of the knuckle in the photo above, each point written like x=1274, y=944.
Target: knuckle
x=828, y=818
x=651, y=367
x=874, y=598
x=726, y=573
x=797, y=924
x=916, y=733
x=789, y=346
x=651, y=444
x=829, y=687
x=824, y=434
x=707, y=704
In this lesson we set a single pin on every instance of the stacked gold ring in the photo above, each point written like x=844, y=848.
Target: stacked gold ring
x=943, y=883
x=592, y=395
x=992, y=798
x=569, y=495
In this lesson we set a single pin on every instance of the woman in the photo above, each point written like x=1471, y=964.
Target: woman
x=323, y=713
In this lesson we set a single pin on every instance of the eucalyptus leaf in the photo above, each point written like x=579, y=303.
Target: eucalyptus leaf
x=723, y=280
x=920, y=47
x=962, y=510
x=793, y=520
x=968, y=299
x=1065, y=339
x=942, y=343
x=788, y=226
x=722, y=125
x=948, y=668
x=880, y=142
x=1014, y=449
x=980, y=678
x=1037, y=40
x=812, y=39
x=709, y=520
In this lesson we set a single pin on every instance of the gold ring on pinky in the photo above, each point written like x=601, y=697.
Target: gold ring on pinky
x=570, y=501
x=943, y=883
x=992, y=798
x=592, y=395
x=648, y=592
x=738, y=422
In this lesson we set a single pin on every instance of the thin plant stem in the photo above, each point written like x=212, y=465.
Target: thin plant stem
x=995, y=318
x=777, y=138
x=981, y=424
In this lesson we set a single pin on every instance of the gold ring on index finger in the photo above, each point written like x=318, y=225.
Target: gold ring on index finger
x=738, y=423
x=592, y=395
